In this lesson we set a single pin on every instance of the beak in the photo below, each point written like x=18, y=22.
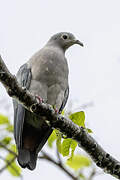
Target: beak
x=78, y=42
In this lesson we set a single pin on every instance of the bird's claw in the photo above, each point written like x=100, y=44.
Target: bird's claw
x=39, y=99
x=55, y=109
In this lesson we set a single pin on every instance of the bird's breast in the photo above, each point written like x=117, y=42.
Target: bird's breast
x=50, y=68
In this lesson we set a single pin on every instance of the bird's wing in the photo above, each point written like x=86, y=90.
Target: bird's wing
x=66, y=95
x=24, y=76
x=26, y=136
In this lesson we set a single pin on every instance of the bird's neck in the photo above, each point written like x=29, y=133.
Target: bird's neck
x=55, y=46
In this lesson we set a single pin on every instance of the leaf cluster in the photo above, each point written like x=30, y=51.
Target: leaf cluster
x=67, y=146
x=6, y=127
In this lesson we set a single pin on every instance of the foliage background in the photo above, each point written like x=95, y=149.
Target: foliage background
x=94, y=69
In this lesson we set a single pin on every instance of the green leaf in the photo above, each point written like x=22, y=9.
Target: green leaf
x=78, y=161
x=63, y=112
x=3, y=119
x=13, y=148
x=65, y=147
x=51, y=139
x=9, y=128
x=73, y=147
x=82, y=176
x=89, y=130
x=6, y=140
x=56, y=135
x=78, y=118
x=13, y=169
x=58, y=141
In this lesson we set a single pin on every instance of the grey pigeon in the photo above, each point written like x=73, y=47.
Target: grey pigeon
x=45, y=75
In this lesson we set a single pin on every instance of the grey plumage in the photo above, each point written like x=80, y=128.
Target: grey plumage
x=45, y=75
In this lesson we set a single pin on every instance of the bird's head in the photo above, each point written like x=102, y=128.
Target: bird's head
x=64, y=40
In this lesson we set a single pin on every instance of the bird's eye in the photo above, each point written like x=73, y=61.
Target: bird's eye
x=65, y=36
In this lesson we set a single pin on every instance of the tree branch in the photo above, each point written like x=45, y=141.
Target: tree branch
x=65, y=125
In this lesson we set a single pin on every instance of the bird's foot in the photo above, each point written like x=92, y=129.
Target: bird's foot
x=56, y=110
x=39, y=99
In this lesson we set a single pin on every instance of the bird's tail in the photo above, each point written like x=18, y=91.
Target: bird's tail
x=27, y=159
x=33, y=141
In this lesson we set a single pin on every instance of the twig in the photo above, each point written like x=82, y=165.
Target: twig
x=48, y=158
x=7, y=149
x=94, y=173
x=58, y=156
x=8, y=163
x=65, y=125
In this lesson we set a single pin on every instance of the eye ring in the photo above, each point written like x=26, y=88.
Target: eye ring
x=64, y=36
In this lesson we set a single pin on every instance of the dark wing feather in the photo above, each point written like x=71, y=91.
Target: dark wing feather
x=24, y=76
x=66, y=95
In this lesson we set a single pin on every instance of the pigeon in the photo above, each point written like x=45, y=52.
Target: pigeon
x=45, y=75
